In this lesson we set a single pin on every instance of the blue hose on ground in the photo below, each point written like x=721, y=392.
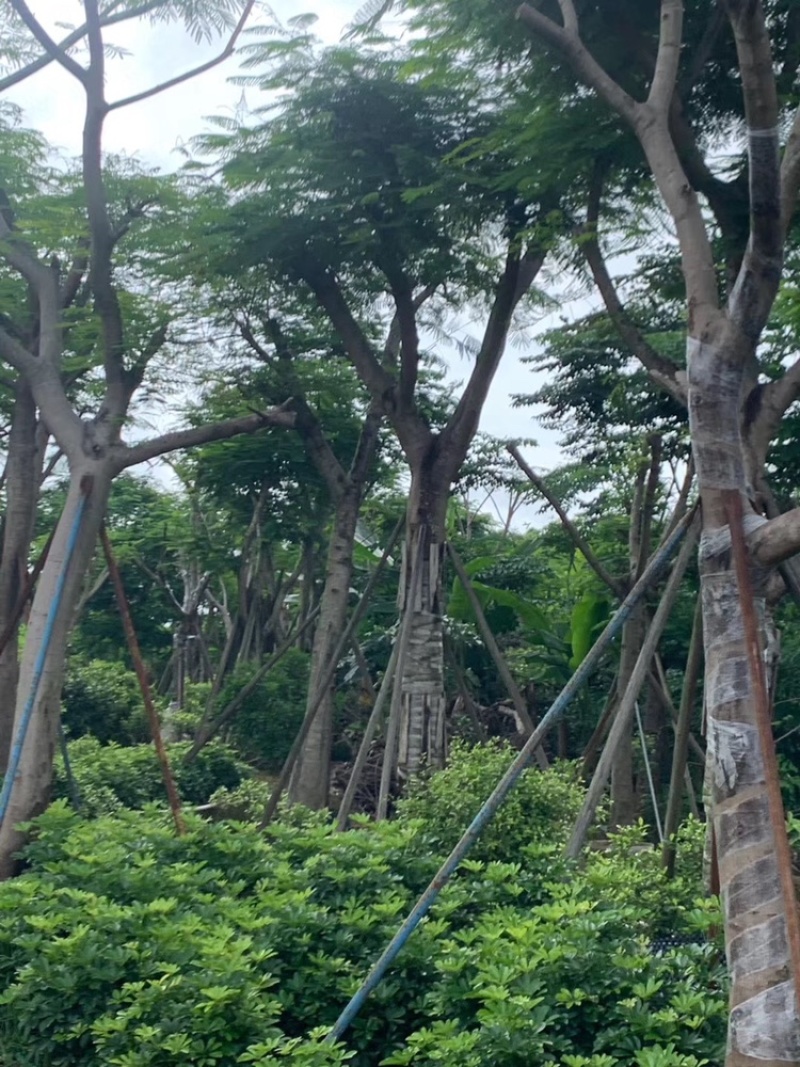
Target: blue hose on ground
x=654, y=569
x=38, y=669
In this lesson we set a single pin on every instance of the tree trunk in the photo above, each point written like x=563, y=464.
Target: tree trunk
x=48, y=627
x=763, y=1021
x=23, y=473
x=422, y=716
x=311, y=778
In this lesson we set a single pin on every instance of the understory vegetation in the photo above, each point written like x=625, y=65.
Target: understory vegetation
x=286, y=586
x=123, y=944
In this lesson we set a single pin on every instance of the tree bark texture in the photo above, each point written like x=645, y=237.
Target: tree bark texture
x=31, y=790
x=23, y=472
x=422, y=713
x=310, y=780
x=764, y=1025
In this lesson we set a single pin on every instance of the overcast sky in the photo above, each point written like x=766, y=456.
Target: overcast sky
x=151, y=130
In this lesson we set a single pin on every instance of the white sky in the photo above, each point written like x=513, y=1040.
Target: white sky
x=52, y=102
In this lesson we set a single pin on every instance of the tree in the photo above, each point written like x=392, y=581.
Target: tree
x=364, y=189
x=678, y=76
x=93, y=447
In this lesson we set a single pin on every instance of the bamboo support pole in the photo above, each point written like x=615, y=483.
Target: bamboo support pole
x=627, y=703
x=366, y=741
x=490, y=807
x=395, y=708
x=327, y=678
x=497, y=656
x=680, y=752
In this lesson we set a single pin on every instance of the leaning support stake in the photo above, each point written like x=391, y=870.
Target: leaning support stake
x=494, y=651
x=627, y=704
x=330, y=671
x=654, y=570
x=372, y=727
x=395, y=708
x=144, y=684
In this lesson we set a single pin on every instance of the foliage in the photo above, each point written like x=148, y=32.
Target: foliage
x=109, y=777
x=124, y=945
x=269, y=718
x=538, y=812
x=103, y=699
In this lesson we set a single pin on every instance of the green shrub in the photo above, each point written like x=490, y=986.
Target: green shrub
x=268, y=720
x=567, y=984
x=124, y=946
x=536, y=816
x=110, y=777
x=103, y=699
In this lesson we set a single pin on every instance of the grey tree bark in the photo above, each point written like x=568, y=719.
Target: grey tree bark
x=23, y=474
x=92, y=447
x=760, y=922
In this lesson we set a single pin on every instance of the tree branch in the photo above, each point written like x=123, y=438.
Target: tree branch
x=129, y=456
x=753, y=294
x=19, y=254
x=516, y=280
x=577, y=538
x=650, y=122
x=776, y=540
x=72, y=38
x=306, y=422
x=193, y=73
x=54, y=50
x=15, y=354
x=661, y=370
x=665, y=75
x=567, y=41
x=403, y=296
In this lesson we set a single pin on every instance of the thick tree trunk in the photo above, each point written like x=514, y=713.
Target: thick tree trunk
x=23, y=472
x=764, y=1025
x=48, y=630
x=422, y=714
x=311, y=777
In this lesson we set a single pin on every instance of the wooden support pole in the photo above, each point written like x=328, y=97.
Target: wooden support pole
x=578, y=539
x=626, y=705
x=366, y=741
x=144, y=684
x=691, y=676
x=403, y=642
x=327, y=678
x=598, y=734
x=494, y=651
x=206, y=730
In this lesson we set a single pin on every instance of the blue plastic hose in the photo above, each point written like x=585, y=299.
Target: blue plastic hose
x=38, y=669
x=654, y=569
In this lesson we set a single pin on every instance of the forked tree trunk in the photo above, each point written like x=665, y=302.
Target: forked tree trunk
x=421, y=736
x=23, y=473
x=310, y=781
x=45, y=646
